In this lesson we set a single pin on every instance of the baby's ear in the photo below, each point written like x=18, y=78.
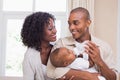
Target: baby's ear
x=66, y=63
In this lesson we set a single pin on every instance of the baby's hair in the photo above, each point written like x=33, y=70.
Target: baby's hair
x=55, y=58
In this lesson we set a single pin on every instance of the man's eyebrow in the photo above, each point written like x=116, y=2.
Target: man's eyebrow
x=75, y=20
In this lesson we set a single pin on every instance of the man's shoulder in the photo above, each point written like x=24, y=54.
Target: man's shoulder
x=100, y=42
x=66, y=40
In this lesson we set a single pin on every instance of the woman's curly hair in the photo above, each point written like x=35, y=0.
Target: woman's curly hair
x=33, y=27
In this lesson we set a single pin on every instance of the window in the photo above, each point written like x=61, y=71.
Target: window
x=14, y=48
x=47, y=5
x=17, y=5
x=12, y=14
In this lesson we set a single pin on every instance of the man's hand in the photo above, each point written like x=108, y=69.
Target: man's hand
x=87, y=76
x=93, y=51
x=80, y=75
x=91, y=62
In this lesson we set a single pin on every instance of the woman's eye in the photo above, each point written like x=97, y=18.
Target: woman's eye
x=51, y=28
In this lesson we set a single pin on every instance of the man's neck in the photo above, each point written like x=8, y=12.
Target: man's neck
x=86, y=36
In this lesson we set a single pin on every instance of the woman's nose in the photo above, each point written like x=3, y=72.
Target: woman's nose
x=54, y=30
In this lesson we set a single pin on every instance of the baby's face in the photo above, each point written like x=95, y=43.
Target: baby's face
x=69, y=56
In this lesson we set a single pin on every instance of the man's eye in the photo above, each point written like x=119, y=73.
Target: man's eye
x=69, y=23
x=75, y=22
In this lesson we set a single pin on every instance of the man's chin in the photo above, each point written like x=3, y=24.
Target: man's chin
x=75, y=37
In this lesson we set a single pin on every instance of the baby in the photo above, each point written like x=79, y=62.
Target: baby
x=63, y=57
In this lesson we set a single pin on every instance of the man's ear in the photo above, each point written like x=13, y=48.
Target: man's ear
x=88, y=23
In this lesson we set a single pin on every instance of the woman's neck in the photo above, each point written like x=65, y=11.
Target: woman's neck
x=44, y=44
x=45, y=48
x=45, y=51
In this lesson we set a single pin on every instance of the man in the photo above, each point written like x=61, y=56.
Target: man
x=100, y=52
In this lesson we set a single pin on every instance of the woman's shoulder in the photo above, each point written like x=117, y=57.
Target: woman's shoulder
x=31, y=52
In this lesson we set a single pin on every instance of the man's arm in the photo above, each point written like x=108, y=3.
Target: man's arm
x=80, y=75
x=106, y=71
x=94, y=53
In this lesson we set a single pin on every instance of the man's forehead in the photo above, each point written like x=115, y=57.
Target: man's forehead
x=76, y=16
x=76, y=20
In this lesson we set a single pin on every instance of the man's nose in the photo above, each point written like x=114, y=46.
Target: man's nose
x=72, y=26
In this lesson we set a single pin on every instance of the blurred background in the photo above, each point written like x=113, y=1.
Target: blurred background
x=105, y=16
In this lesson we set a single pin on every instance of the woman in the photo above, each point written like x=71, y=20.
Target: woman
x=37, y=33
